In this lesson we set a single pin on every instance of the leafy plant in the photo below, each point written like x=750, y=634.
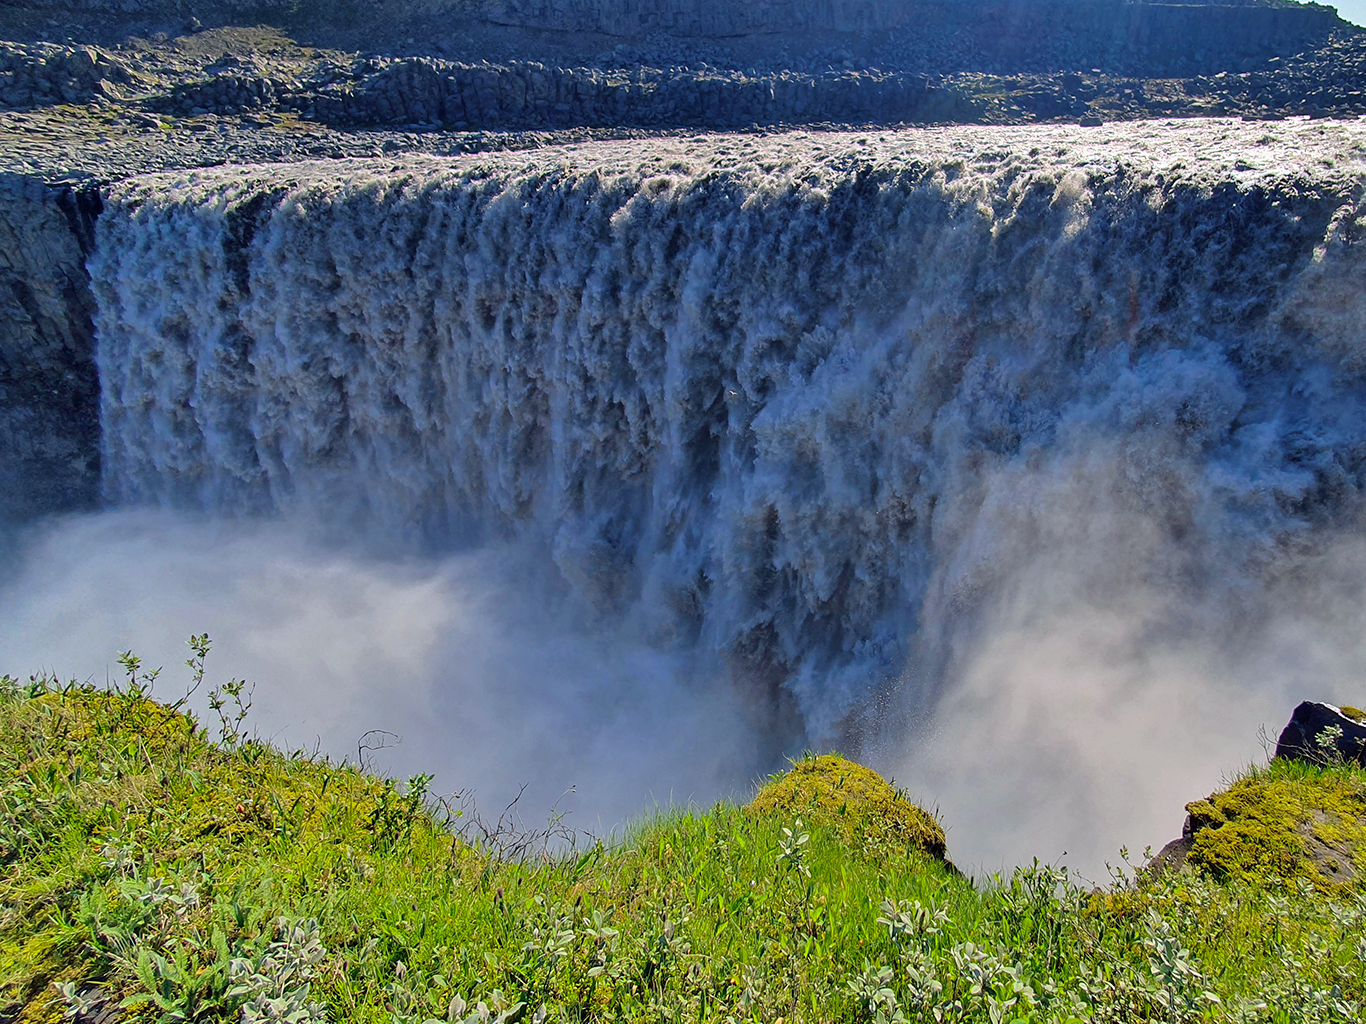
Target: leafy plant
x=1178, y=981
x=80, y=1002
x=276, y=986
x=177, y=984
x=792, y=849
x=230, y=719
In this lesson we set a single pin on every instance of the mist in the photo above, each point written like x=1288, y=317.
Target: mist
x=1112, y=673
x=482, y=677
x=1115, y=643
x=1100, y=674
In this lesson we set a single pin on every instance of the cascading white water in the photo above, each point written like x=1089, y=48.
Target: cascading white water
x=804, y=399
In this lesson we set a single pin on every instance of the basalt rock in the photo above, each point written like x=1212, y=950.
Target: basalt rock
x=1319, y=732
x=49, y=427
x=43, y=73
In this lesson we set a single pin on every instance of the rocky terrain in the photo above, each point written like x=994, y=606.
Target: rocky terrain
x=945, y=36
x=77, y=96
x=234, y=95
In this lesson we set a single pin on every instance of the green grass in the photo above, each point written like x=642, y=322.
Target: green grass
x=197, y=876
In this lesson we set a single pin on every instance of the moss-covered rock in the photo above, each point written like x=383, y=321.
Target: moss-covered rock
x=1288, y=820
x=868, y=813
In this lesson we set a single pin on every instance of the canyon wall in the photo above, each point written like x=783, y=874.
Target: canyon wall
x=49, y=394
x=1001, y=26
x=1009, y=23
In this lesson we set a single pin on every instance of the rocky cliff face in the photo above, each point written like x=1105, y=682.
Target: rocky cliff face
x=49, y=428
x=1001, y=24
x=1082, y=33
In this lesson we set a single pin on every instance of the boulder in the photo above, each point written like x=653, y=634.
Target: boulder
x=868, y=813
x=1319, y=732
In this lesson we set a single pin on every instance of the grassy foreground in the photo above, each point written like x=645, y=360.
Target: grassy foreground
x=152, y=870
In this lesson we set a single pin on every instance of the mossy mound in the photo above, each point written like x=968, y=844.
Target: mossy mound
x=1288, y=820
x=869, y=814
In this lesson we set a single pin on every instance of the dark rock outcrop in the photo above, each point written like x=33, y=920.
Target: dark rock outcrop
x=42, y=73
x=424, y=91
x=1319, y=732
x=672, y=84
x=49, y=388
x=381, y=92
x=1173, y=856
x=1119, y=20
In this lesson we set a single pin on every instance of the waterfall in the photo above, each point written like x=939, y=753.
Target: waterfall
x=803, y=399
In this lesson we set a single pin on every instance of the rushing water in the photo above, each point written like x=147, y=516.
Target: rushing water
x=766, y=392
x=880, y=423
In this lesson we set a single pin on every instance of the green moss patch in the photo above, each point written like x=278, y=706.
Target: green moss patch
x=1289, y=821
x=868, y=813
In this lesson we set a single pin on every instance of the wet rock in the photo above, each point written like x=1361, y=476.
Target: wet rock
x=1173, y=856
x=49, y=423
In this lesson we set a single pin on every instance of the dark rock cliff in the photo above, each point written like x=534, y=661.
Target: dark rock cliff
x=49, y=391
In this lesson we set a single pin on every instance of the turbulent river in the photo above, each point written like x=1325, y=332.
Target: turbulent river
x=1024, y=463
